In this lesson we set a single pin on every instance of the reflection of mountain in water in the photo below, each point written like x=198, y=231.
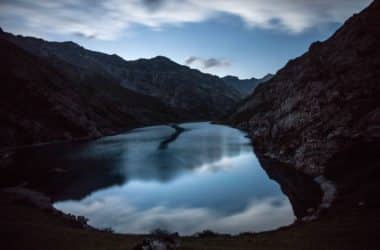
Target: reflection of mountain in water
x=50, y=170
x=178, y=131
x=200, y=145
x=301, y=190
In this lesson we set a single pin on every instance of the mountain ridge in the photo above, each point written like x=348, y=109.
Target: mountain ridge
x=159, y=77
x=245, y=86
x=41, y=102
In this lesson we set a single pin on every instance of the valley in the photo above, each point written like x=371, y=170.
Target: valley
x=99, y=152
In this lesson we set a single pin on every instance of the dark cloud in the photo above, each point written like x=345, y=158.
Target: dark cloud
x=213, y=62
x=208, y=62
x=83, y=35
x=153, y=5
x=191, y=59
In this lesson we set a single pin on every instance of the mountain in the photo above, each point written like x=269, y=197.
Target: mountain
x=245, y=86
x=41, y=101
x=60, y=90
x=195, y=95
x=321, y=112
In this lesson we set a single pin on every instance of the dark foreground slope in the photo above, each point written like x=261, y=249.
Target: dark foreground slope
x=323, y=103
x=42, y=101
x=29, y=228
x=196, y=95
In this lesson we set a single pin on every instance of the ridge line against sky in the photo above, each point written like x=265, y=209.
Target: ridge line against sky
x=217, y=33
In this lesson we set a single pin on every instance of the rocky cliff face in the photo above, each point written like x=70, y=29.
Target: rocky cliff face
x=196, y=95
x=322, y=103
x=245, y=86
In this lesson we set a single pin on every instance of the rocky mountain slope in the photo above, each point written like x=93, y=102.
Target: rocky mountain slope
x=41, y=101
x=196, y=95
x=323, y=107
x=245, y=86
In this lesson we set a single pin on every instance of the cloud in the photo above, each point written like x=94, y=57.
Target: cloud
x=117, y=212
x=191, y=60
x=207, y=63
x=153, y=4
x=109, y=19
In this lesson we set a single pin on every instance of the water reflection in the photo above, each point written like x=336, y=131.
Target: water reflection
x=118, y=212
x=205, y=178
x=178, y=131
x=226, y=196
x=138, y=158
x=200, y=176
x=303, y=199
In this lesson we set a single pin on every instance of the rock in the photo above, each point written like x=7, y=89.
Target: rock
x=168, y=243
x=310, y=210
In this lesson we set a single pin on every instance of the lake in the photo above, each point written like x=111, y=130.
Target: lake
x=204, y=177
x=185, y=179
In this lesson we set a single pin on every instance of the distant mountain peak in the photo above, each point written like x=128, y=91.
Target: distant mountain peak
x=268, y=76
x=163, y=59
x=159, y=57
x=245, y=86
x=71, y=44
x=230, y=78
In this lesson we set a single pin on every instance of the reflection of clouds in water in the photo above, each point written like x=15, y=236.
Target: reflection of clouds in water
x=118, y=213
x=223, y=164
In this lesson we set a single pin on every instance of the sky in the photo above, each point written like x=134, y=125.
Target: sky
x=246, y=38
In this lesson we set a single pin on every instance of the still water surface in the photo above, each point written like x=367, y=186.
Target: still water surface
x=203, y=177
